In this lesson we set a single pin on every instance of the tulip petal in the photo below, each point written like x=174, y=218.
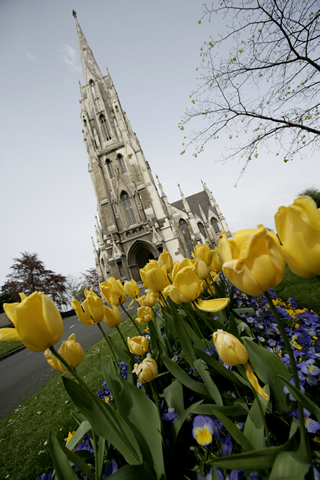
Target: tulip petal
x=53, y=361
x=9, y=335
x=52, y=318
x=9, y=309
x=241, y=276
x=254, y=382
x=213, y=305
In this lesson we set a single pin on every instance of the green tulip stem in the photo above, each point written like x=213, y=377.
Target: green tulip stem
x=155, y=397
x=209, y=288
x=193, y=321
x=256, y=396
x=203, y=317
x=108, y=342
x=71, y=370
x=163, y=299
x=303, y=432
x=119, y=331
x=128, y=315
x=94, y=443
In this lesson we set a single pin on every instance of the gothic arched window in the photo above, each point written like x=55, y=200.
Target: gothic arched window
x=214, y=223
x=202, y=229
x=109, y=167
x=186, y=235
x=128, y=208
x=104, y=127
x=95, y=95
x=122, y=164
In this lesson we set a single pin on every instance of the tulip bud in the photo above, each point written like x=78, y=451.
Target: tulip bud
x=201, y=268
x=204, y=252
x=131, y=288
x=70, y=350
x=153, y=276
x=165, y=259
x=230, y=350
x=138, y=345
x=113, y=292
x=38, y=323
x=146, y=371
x=112, y=316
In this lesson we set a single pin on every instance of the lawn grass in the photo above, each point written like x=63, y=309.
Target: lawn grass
x=305, y=291
x=6, y=347
x=24, y=452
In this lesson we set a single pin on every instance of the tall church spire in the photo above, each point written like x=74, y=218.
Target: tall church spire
x=90, y=67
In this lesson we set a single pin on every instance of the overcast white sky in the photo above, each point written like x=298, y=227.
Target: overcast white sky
x=151, y=49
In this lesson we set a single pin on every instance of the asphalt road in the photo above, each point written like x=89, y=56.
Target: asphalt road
x=23, y=373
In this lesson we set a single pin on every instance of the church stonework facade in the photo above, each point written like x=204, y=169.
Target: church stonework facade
x=135, y=223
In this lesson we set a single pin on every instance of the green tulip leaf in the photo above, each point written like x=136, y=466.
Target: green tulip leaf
x=302, y=398
x=135, y=472
x=182, y=335
x=254, y=426
x=123, y=355
x=209, y=383
x=157, y=341
x=139, y=413
x=61, y=463
x=249, y=311
x=100, y=456
x=218, y=366
x=253, y=460
x=79, y=433
x=177, y=424
x=288, y=465
x=174, y=396
x=106, y=421
x=197, y=387
x=236, y=412
x=169, y=322
x=199, y=342
x=267, y=366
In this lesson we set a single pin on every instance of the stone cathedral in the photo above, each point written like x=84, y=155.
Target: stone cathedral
x=135, y=222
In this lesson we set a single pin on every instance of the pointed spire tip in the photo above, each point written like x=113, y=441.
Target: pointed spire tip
x=74, y=13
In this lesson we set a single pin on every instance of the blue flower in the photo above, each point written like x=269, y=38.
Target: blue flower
x=202, y=430
x=110, y=468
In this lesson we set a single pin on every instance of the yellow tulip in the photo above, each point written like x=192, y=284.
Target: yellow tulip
x=165, y=259
x=113, y=292
x=138, y=345
x=201, y=268
x=144, y=315
x=153, y=276
x=204, y=252
x=188, y=282
x=230, y=350
x=213, y=305
x=216, y=263
x=131, y=288
x=91, y=311
x=254, y=382
x=252, y=261
x=70, y=350
x=38, y=323
x=148, y=300
x=146, y=371
x=298, y=227
x=112, y=316
x=175, y=294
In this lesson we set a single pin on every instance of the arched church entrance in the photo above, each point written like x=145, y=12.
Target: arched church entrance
x=139, y=254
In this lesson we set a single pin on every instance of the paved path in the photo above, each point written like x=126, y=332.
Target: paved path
x=23, y=373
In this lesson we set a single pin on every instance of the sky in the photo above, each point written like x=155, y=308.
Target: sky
x=152, y=50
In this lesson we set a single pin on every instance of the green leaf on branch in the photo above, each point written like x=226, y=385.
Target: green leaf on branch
x=105, y=421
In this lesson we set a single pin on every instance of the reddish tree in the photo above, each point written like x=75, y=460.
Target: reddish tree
x=28, y=274
x=91, y=279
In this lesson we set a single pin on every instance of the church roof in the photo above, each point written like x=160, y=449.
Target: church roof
x=200, y=198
